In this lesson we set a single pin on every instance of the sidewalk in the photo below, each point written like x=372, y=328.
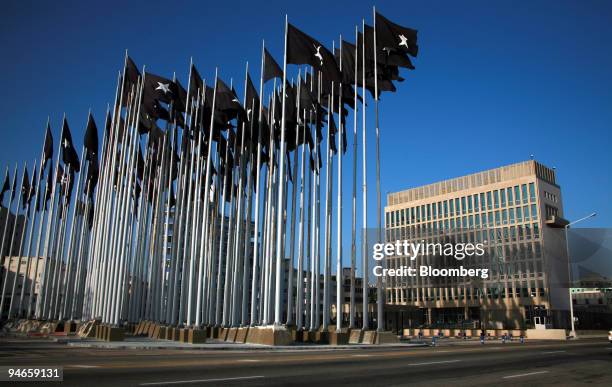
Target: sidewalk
x=147, y=343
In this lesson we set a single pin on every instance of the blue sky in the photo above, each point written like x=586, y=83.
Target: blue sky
x=495, y=81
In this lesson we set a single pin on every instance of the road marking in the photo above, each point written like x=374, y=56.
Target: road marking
x=249, y=360
x=84, y=366
x=527, y=374
x=361, y=355
x=549, y=352
x=434, y=362
x=201, y=380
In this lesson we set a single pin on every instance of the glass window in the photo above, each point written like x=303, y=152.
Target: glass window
x=476, y=202
x=452, y=207
x=477, y=220
x=471, y=221
x=505, y=216
x=387, y=219
x=534, y=212
x=446, y=208
x=457, y=209
x=489, y=200
x=490, y=219
x=524, y=191
x=503, y=197
x=435, y=211
x=527, y=231
x=403, y=218
x=519, y=214
x=532, y=191
x=511, y=211
x=517, y=195
x=482, y=202
x=439, y=209
x=536, y=231
x=510, y=196
x=412, y=215
x=496, y=198
x=469, y=200
x=428, y=212
x=463, y=207
x=497, y=218
x=526, y=212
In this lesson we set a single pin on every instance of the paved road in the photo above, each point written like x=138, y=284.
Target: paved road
x=537, y=363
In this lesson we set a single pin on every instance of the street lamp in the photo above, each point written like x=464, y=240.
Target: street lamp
x=569, y=274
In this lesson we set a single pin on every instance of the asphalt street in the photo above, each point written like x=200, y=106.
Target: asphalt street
x=580, y=362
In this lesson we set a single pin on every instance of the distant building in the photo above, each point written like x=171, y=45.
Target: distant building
x=34, y=273
x=7, y=234
x=517, y=212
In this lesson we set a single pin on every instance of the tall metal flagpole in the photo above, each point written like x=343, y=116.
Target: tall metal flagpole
x=255, y=300
x=8, y=215
x=379, y=283
x=50, y=224
x=339, y=284
x=290, y=313
x=364, y=236
x=68, y=270
x=207, y=179
x=20, y=251
x=281, y=172
x=247, y=251
x=327, y=230
x=15, y=226
x=32, y=226
x=239, y=214
x=354, y=202
x=299, y=312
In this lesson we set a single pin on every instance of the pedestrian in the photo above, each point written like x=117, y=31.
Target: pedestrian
x=482, y=337
x=522, y=338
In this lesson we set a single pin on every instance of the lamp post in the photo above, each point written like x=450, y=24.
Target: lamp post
x=569, y=275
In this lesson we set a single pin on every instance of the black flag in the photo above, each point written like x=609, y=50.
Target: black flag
x=49, y=186
x=130, y=79
x=48, y=146
x=271, y=68
x=393, y=37
x=5, y=186
x=303, y=49
x=91, y=138
x=69, y=154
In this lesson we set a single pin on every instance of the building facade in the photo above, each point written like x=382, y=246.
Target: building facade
x=516, y=212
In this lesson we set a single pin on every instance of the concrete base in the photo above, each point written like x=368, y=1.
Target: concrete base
x=241, y=335
x=269, y=335
x=196, y=336
x=183, y=335
x=70, y=327
x=368, y=337
x=172, y=334
x=356, y=336
x=231, y=335
x=213, y=332
x=115, y=334
x=386, y=338
x=338, y=338
x=546, y=334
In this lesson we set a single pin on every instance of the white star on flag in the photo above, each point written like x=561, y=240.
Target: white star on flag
x=318, y=54
x=165, y=87
x=404, y=41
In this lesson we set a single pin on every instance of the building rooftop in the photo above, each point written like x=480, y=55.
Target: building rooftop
x=491, y=176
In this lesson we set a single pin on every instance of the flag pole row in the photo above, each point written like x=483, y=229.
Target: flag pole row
x=201, y=208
